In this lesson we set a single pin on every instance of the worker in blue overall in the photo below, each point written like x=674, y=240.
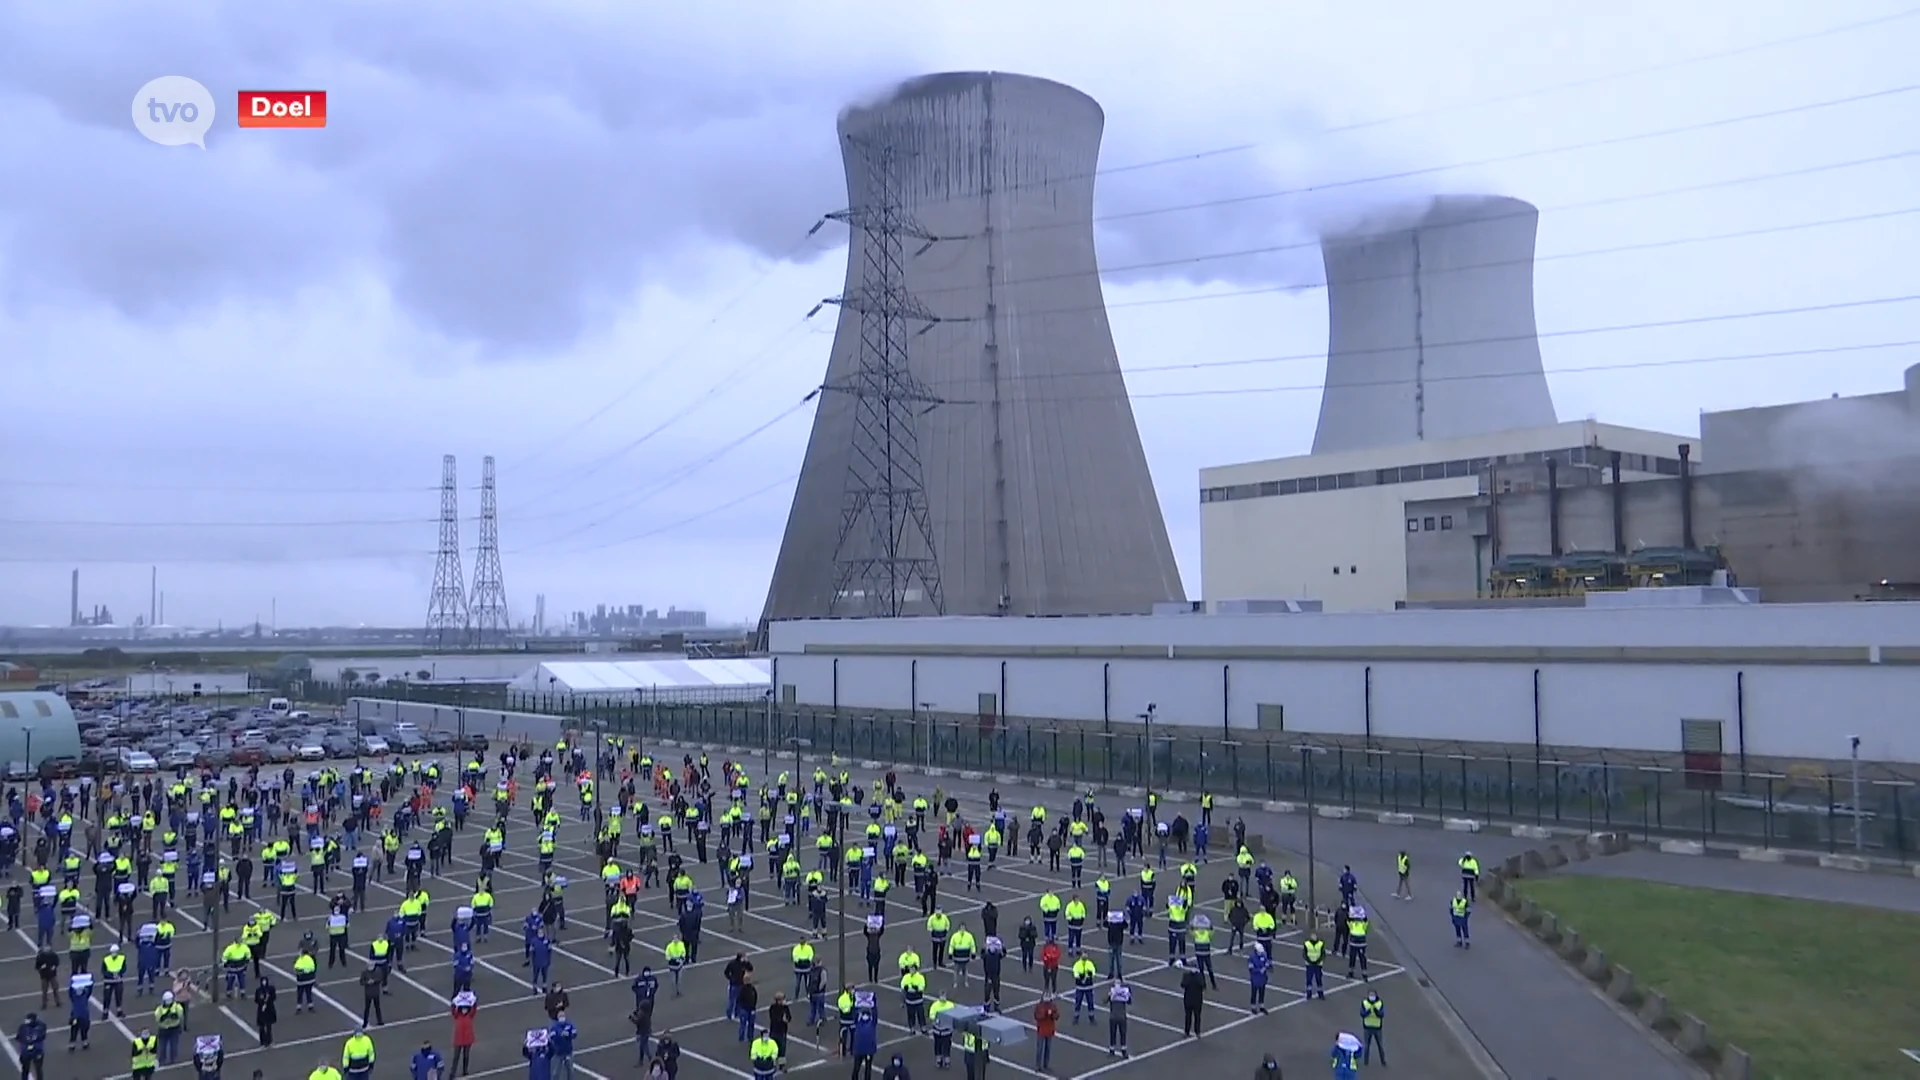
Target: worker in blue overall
x=1346, y=1057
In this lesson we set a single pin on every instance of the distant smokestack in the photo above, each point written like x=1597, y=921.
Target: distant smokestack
x=1686, y=497
x=73, y=611
x=1430, y=328
x=160, y=609
x=1619, y=507
x=153, y=598
x=1553, y=505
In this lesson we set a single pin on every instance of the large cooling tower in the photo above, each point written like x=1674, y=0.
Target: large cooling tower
x=1431, y=332
x=1038, y=494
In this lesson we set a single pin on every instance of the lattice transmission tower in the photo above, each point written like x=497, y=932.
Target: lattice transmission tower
x=447, y=603
x=884, y=559
x=487, y=612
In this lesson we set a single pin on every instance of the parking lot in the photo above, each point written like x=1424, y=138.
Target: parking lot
x=1299, y=1032
x=174, y=732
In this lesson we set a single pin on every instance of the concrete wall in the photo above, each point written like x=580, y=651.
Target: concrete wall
x=1825, y=431
x=1800, y=536
x=484, y=667
x=495, y=724
x=211, y=683
x=1796, y=678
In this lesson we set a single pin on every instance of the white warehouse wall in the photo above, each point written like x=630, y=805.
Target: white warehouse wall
x=1774, y=684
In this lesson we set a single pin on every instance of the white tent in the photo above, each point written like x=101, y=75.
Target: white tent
x=667, y=679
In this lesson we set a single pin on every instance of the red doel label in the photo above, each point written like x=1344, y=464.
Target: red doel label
x=282, y=108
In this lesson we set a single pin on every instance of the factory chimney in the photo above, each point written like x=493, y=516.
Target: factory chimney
x=1686, y=497
x=1619, y=508
x=153, y=598
x=73, y=609
x=1553, y=506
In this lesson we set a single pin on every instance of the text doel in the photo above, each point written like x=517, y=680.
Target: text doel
x=283, y=108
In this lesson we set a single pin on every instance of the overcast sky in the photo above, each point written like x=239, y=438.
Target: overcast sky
x=573, y=236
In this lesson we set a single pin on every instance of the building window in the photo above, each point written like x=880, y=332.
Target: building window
x=1446, y=522
x=44, y=709
x=1336, y=571
x=1269, y=487
x=1353, y=569
x=1413, y=524
x=1386, y=476
x=1427, y=524
x=1270, y=717
x=7, y=710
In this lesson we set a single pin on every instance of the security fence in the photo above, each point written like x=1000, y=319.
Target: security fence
x=1808, y=807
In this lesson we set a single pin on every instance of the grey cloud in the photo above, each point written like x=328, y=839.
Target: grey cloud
x=514, y=176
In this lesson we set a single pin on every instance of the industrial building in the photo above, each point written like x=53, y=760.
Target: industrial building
x=1808, y=502
x=1338, y=527
x=1760, y=683
x=36, y=726
x=1431, y=330
x=1010, y=478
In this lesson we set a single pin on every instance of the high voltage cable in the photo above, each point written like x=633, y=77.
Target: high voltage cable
x=1305, y=286
x=671, y=354
x=676, y=524
x=601, y=463
x=1685, y=361
x=1432, y=170
x=1199, y=365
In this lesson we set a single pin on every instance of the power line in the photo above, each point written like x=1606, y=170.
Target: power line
x=685, y=472
x=1297, y=287
x=1434, y=170
x=415, y=553
x=601, y=463
x=674, y=353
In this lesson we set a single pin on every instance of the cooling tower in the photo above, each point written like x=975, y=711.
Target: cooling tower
x=1430, y=328
x=1038, y=493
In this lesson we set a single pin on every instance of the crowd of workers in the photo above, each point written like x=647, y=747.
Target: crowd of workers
x=156, y=840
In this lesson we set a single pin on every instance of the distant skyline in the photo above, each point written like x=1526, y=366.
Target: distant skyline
x=575, y=237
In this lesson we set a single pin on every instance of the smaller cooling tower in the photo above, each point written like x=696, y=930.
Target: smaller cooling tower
x=1430, y=328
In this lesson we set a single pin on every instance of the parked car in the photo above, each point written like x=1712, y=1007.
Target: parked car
x=409, y=742
x=282, y=753
x=138, y=761
x=247, y=756
x=441, y=741
x=182, y=756
x=310, y=751
x=340, y=745
x=213, y=759
x=374, y=745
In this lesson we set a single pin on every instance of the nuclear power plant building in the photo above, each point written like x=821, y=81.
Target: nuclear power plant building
x=1021, y=443
x=1430, y=328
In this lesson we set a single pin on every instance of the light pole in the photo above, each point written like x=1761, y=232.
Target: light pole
x=1146, y=718
x=1859, y=834
x=1307, y=771
x=766, y=740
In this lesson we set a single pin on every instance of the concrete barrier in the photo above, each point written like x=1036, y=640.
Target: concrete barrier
x=1685, y=1031
x=1396, y=819
x=1530, y=832
x=1683, y=847
x=973, y=776
x=873, y=766
x=936, y=772
x=1177, y=796
x=1132, y=792
x=1228, y=802
x=1855, y=863
x=1460, y=824
x=1336, y=812
x=1273, y=807
x=1049, y=785
x=1762, y=854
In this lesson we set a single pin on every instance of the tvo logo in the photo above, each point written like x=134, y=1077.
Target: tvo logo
x=174, y=110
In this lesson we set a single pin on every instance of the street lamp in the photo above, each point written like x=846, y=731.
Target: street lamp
x=766, y=739
x=1859, y=834
x=1146, y=718
x=1307, y=771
